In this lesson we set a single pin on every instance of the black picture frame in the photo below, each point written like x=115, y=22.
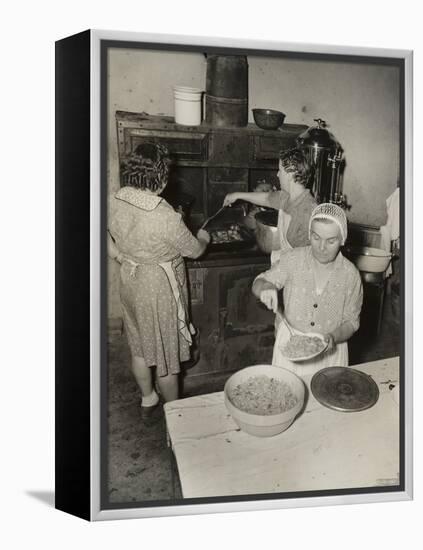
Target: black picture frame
x=81, y=274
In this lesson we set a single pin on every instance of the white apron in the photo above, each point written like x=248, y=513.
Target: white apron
x=184, y=326
x=338, y=357
x=283, y=224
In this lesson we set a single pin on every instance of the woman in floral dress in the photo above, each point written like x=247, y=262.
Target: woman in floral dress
x=149, y=239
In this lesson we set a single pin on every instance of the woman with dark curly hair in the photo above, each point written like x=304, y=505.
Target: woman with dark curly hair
x=294, y=200
x=149, y=239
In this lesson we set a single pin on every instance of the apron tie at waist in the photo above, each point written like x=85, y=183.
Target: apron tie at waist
x=134, y=266
x=184, y=326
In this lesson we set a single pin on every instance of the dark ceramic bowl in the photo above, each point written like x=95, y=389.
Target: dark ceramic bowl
x=268, y=119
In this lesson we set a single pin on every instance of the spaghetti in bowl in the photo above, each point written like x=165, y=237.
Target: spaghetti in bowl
x=303, y=346
x=264, y=400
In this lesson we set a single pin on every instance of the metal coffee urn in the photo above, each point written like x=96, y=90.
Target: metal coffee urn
x=325, y=154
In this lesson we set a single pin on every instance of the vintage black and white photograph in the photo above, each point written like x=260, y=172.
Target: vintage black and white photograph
x=255, y=259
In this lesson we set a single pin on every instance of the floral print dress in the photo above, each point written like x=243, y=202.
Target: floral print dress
x=153, y=239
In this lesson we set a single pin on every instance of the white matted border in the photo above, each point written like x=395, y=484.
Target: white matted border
x=95, y=271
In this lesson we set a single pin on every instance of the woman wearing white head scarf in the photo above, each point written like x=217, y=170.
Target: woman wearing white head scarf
x=322, y=291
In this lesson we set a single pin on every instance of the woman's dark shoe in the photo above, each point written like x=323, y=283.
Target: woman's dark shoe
x=195, y=351
x=151, y=415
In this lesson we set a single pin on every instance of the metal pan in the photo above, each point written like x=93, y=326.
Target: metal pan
x=248, y=240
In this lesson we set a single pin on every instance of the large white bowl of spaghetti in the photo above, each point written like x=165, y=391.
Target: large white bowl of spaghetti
x=264, y=400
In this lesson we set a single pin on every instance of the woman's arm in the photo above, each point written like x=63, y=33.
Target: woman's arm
x=184, y=241
x=266, y=285
x=268, y=199
x=112, y=249
x=341, y=334
x=203, y=238
x=351, y=313
x=267, y=293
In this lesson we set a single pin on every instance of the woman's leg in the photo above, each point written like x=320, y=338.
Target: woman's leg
x=143, y=375
x=169, y=386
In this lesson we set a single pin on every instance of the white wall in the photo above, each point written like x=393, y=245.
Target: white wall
x=360, y=102
x=143, y=80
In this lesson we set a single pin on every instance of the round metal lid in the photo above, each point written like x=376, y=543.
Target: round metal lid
x=344, y=389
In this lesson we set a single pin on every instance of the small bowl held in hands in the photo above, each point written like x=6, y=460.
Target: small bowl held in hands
x=268, y=119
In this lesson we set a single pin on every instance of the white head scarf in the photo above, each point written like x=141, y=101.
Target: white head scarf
x=329, y=211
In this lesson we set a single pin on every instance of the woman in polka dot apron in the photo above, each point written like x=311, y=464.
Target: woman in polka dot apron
x=322, y=292
x=150, y=239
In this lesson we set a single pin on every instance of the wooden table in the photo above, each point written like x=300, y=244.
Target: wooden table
x=323, y=449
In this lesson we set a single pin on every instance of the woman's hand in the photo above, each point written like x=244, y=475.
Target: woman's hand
x=269, y=297
x=203, y=235
x=230, y=199
x=330, y=340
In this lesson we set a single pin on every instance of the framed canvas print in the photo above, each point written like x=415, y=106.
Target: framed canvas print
x=234, y=292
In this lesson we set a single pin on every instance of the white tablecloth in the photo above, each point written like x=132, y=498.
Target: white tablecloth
x=323, y=449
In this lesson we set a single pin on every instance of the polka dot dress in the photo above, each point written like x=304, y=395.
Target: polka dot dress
x=309, y=311
x=148, y=231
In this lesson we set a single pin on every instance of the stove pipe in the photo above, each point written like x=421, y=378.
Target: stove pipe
x=227, y=91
